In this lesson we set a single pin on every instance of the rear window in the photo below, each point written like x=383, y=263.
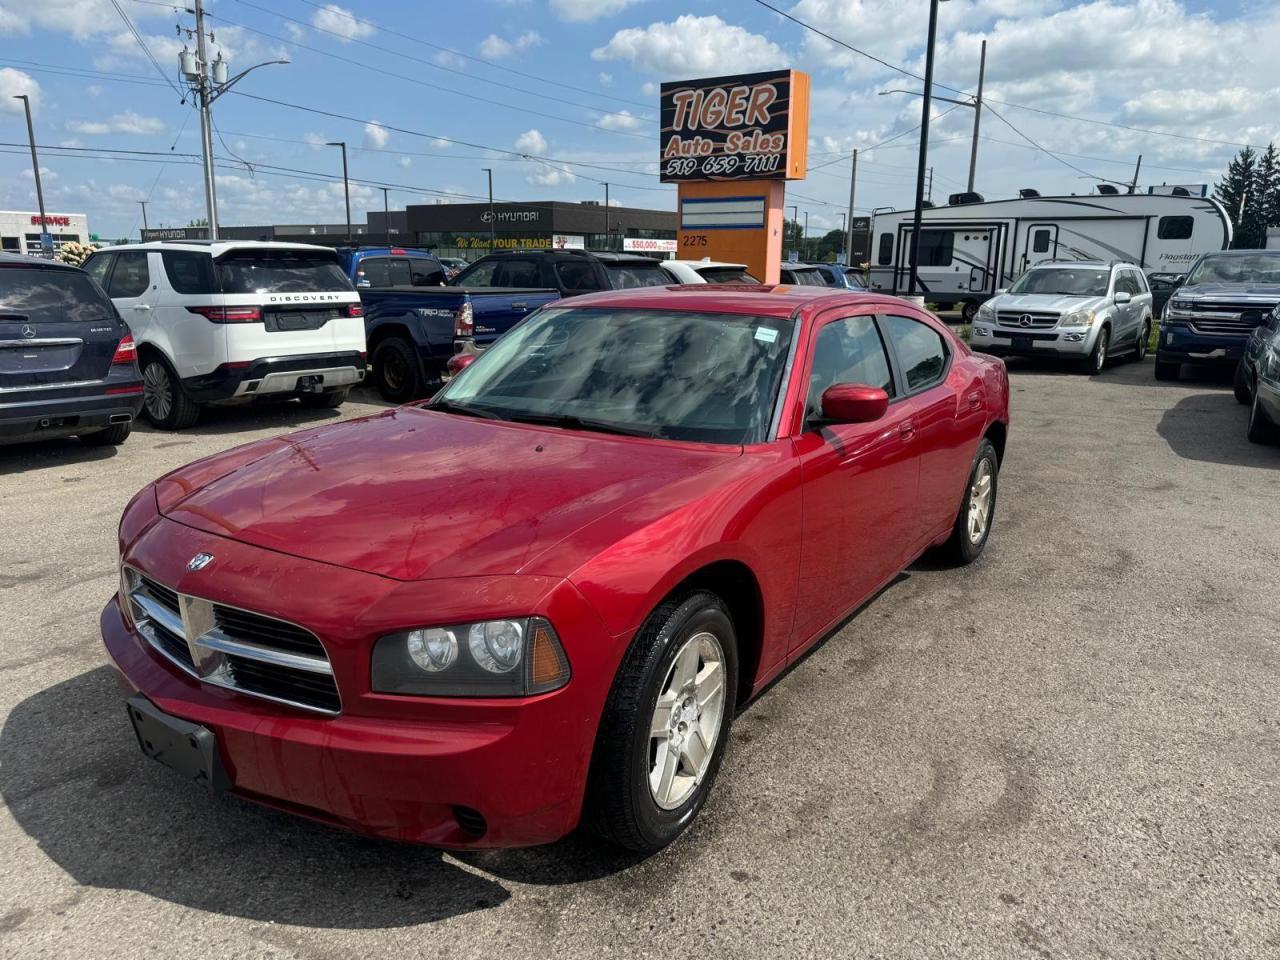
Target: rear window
x=279, y=271
x=812, y=277
x=726, y=275
x=50, y=296
x=624, y=276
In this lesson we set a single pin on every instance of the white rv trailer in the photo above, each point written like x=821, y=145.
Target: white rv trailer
x=970, y=250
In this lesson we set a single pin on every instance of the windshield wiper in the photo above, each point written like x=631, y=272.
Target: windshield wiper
x=571, y=422
x=463, y=409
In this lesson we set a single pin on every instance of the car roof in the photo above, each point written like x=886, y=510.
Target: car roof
x=1241, y=253
x=797, y=265
x=217, y=248
x=708, y=263
x=25, y=260
x=1091, y=264
x=611, y=257
x=770, y=300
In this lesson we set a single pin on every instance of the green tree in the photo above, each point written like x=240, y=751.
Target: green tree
x=1268, y=190
x=1236, y=192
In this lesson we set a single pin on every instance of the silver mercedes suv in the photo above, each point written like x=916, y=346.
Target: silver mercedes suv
x=1086, y=310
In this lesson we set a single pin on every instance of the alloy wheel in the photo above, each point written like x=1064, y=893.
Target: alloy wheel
x=685, y=726
x=1143, y=337
x=157, y=390
x=980, y=500
x=1100, y=358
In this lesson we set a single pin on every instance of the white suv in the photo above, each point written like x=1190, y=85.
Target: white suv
x=225, y=322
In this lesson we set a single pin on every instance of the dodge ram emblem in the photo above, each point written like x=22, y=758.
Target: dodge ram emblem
x=199, y=561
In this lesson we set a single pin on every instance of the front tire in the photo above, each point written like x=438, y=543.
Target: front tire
x=969, y=311
x=665, y=726
x=1261, y=429
x=1144, y=338
x=1097, y=359
x=972, y=528
x=164, y=401
x=1240, y=386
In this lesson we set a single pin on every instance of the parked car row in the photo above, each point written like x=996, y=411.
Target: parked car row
x=1257, y=380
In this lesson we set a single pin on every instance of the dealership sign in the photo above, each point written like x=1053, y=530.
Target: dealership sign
x=741, y=127
x=175, y=233
x=52, y=220
x=648, y=245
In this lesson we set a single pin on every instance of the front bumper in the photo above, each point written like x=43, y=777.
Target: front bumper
x=1180, y=344
x=418, y=769
x=1004, y=342
x=37, y=416
x=275, y=375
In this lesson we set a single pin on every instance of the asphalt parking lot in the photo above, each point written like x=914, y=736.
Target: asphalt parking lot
x=1071, y=749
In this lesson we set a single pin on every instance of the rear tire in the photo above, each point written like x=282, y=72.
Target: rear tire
x=397, y=371
x=972, y=528
x=653, y=714
x=1261, y=429
x=114, y=435
x=163, y=400
x=969, y=311
x=1144, y=338
x=328, y=400
x=1240, y=386
x=1166, y=370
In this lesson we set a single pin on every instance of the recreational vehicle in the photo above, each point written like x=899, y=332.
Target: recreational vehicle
x=968, y=250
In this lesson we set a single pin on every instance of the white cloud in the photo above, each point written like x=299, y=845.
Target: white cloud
x=80, y=18
x=296, y=31
x=15, y=83
x=531, y=141
x=581, y=11
x=46, y=175
x=127, y=122
x=494, y=47
x=338, y=20
x=692, y=46
x=376, y=135
x=551, y=175
x=315, y=139
x=650, y=89
x=606, y=79
x=447, y=58
x=622, y=120
x=405, y=162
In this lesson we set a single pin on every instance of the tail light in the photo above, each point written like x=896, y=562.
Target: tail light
x=126, y=350
x=464, y=321
x=229, y=314
x=355, y=309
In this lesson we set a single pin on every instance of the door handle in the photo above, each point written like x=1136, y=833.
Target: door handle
x=519, y=306
x=906, y=429
x=142, y=306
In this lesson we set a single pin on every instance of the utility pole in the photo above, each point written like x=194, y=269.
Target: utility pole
x=804, y=241
x=208, y=82
x=929, y=195
x=853, y=189
x=386, y=215
x=977, y=116
x=492, y=217
x=607, y=244
x=45, y=252
x=927, y=104
x=795, y=220
x=1133, y=187
x=346, y=188
x=143, y=205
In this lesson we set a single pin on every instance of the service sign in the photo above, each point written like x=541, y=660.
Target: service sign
x=747, y=127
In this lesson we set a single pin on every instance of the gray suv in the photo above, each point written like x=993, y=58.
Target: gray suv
x=1083, y=310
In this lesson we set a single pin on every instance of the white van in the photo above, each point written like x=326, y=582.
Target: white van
x=225, y=322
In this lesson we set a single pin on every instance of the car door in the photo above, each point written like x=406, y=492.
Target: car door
x=946, y=414
x=1142, y=305
x=129, y=287
x=859, y=479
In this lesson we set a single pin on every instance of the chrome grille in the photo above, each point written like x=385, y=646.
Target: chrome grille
x=1038, y=319
x=228, y=647
x=1225, y=317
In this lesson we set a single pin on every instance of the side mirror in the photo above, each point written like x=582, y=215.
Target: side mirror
x=1123, y=297
x=459, y=362
x=853, y=403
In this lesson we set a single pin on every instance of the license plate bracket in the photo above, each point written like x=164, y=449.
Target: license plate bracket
x=1023, y=343
x=188, y=748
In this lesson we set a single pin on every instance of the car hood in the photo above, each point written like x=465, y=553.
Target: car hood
x=414, y=494
x=1270, y=291
x=1050, y=303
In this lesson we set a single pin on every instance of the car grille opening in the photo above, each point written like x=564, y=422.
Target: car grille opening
x=252, y=653
x=1036, y=320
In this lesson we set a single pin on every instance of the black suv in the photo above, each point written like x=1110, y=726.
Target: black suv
x=67, y=361
x=570, y=272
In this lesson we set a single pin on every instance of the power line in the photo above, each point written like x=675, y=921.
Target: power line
x=1048, y=153
x=137, y=37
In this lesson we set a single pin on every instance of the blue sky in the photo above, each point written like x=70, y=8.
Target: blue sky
x=433, y=90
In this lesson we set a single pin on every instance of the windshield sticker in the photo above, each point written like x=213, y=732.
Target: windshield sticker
x=766, y=334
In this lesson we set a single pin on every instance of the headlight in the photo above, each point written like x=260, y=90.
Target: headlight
x=492, y=658
x=1077, y=318
x=986, y=312
x=1179, y=304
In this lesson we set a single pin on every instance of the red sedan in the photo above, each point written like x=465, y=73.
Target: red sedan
x=540, y=597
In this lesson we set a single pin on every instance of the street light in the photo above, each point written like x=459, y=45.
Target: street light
x=35, y=171
x=926, y=106
x=795, y=219
x=346, y=189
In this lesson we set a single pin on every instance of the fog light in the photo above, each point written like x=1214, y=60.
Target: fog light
x=981, y=331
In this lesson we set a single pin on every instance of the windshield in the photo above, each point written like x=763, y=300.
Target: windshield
x=1255, y=268
x=1063, y=281
x=280, y=271
x=705, y=377
x=726, y=275
x=41, y=295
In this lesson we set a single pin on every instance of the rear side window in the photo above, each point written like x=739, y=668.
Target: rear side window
x=885, y=254
x=189, y=272
x=576, y=275
x=920, y=350
x=726, y=275
x=425, y=273
x=1174, y=228
x=97, y=267
x=478, y=274
x=130, y=277
x=831, y=277
x=374, y=272
x=516, y=273
x=279, y=271
x=812, y=277
x=35, y=295
x=624, y=276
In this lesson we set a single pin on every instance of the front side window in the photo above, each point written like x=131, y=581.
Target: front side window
x=479, y=274
x=710, y=378
x=130, y=277
x=920, y=349
x=42, y=295
x=279, y=271
x=97, y=267
x=1063, y=282
x=1174, y=228
x=847, y=351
